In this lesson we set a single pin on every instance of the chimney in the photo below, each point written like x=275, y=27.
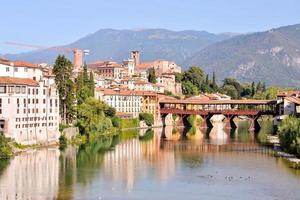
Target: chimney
x=135, y=56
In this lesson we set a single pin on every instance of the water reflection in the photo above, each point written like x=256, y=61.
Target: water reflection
x=31, y=174
x=140, y=165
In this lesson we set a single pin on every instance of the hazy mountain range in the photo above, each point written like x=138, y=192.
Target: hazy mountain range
x=117, y=44
x=272, y=56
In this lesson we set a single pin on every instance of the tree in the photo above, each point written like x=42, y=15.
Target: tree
x=62, y=70
x=253, y=89
x=289, y=135
x=85, y=85
x=189, y=89
x=231, y=91
x=178, y=77
x=147, y=118
x=264, y=87
x=92, y=84
x=5, y=149
x=91, y=117
x=152, y=76
x=195, y=75
x=259, y=87
x=214, y=84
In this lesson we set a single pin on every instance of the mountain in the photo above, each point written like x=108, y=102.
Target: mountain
x=272, y=56
x=117, y=44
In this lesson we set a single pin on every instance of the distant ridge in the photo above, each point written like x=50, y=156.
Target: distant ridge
x=272, y=56
x=116, y=44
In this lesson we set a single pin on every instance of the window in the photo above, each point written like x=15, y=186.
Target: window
x=15, y=69
x=32, y=91
x=23, y=89
x=7, y=69
x=37, y=91
x=28, y=90
x=25, y=69
x=44, y=91
x=2, y=89
x=18, y=89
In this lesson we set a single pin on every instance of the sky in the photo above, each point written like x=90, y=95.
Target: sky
x=58, y=22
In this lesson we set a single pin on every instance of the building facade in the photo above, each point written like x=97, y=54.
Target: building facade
x=29, y=103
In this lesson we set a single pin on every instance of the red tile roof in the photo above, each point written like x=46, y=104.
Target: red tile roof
x=145, y=65
x=125, y=92
x=17, y=81
x=18, y=63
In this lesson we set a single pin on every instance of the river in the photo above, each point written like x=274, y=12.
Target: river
x=213, y=164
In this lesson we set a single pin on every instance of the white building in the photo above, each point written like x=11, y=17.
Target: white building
x=29, y=103
x=124, y=101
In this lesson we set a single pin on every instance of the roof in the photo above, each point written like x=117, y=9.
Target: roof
x=125, y=92
x=239, y=101
x=293, y=99
x=145, y=65
x=18, y=81
x=104, y=64
x=18, y=63
x=288, y=93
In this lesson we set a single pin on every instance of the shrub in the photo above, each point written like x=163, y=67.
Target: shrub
x=116, y=121
x=147, y=118
x=62, y=142
x=289, y=135
x=5, y=149
x=63, y=126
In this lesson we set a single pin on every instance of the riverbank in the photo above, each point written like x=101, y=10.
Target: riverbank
x=292, y=160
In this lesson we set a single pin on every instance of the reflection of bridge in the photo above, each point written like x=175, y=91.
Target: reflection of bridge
x=230, y=147
x=253, y=109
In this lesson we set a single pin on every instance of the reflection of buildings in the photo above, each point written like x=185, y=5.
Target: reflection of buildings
x=31, y=175
x=125, y=164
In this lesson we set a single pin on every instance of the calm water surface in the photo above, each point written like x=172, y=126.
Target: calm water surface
x=214, y=164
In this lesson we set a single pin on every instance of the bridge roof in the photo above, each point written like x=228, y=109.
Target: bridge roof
x=204, y=102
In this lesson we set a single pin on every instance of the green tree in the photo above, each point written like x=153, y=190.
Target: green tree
x=231, y=91
x=92, y=84
x=63, y=73
x=189, y=88
x=152, y=76
x=91, y=117
x=253, y=89
x=178, y=77
x=289, y=135
x=259, y=87
x=195, y=75
x=147, y=118
x=85, y=86
x=214, y=83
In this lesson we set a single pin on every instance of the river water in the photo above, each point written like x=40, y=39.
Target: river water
x=213, y=164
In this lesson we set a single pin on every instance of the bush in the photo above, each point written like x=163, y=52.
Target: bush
x=62, y=142
x=63, y=126
x=130, y=123
x=5, y=149
x=116, y=121
x=147, y=118
x=289, y=135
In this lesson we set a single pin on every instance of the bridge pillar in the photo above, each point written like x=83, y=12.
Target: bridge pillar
x=206, y=123
x=163, y=119
x=254, y=125
x=229, y=123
